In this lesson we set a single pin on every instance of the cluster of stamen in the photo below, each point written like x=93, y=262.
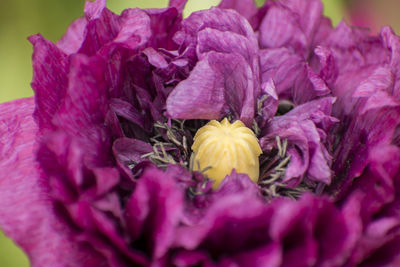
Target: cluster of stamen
x=273, y=167
x=172, y=143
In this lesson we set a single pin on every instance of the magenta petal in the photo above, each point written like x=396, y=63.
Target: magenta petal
x=313, y=231
x=102, y=27
x=26, y=213
x=155, y=58
x=392, y=42
x=269, y=255
x=106, y=179
x=73, y=38
x=328, y=69
x=134, y=29
x=191, y=258
x=178, y=4
x=49, y=81
x=93, y=9
x=246, y=8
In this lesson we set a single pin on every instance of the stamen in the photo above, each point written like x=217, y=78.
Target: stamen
x=273, y=170
x=256, y=128
x=260, y=103
x=171, y=143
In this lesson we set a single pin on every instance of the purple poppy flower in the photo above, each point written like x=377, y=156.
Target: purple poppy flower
x=97, y=165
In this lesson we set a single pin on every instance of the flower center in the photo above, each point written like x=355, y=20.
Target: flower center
x=219, y=148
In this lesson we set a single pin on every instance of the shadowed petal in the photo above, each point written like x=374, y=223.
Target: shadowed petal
x=154, y=210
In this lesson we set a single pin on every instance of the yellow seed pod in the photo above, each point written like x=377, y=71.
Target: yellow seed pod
x=219, y=148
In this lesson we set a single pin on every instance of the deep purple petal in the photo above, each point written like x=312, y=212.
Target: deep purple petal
x=128, y=151
x=231, y=208
x=127, y=111
x=154, y=211
x=83, y=111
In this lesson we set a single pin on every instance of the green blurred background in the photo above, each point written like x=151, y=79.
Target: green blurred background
x=21, y=18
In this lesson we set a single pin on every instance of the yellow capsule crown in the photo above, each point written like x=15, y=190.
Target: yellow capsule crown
x=219, y=148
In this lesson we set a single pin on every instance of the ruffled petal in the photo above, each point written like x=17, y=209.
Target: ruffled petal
x=27, y=213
